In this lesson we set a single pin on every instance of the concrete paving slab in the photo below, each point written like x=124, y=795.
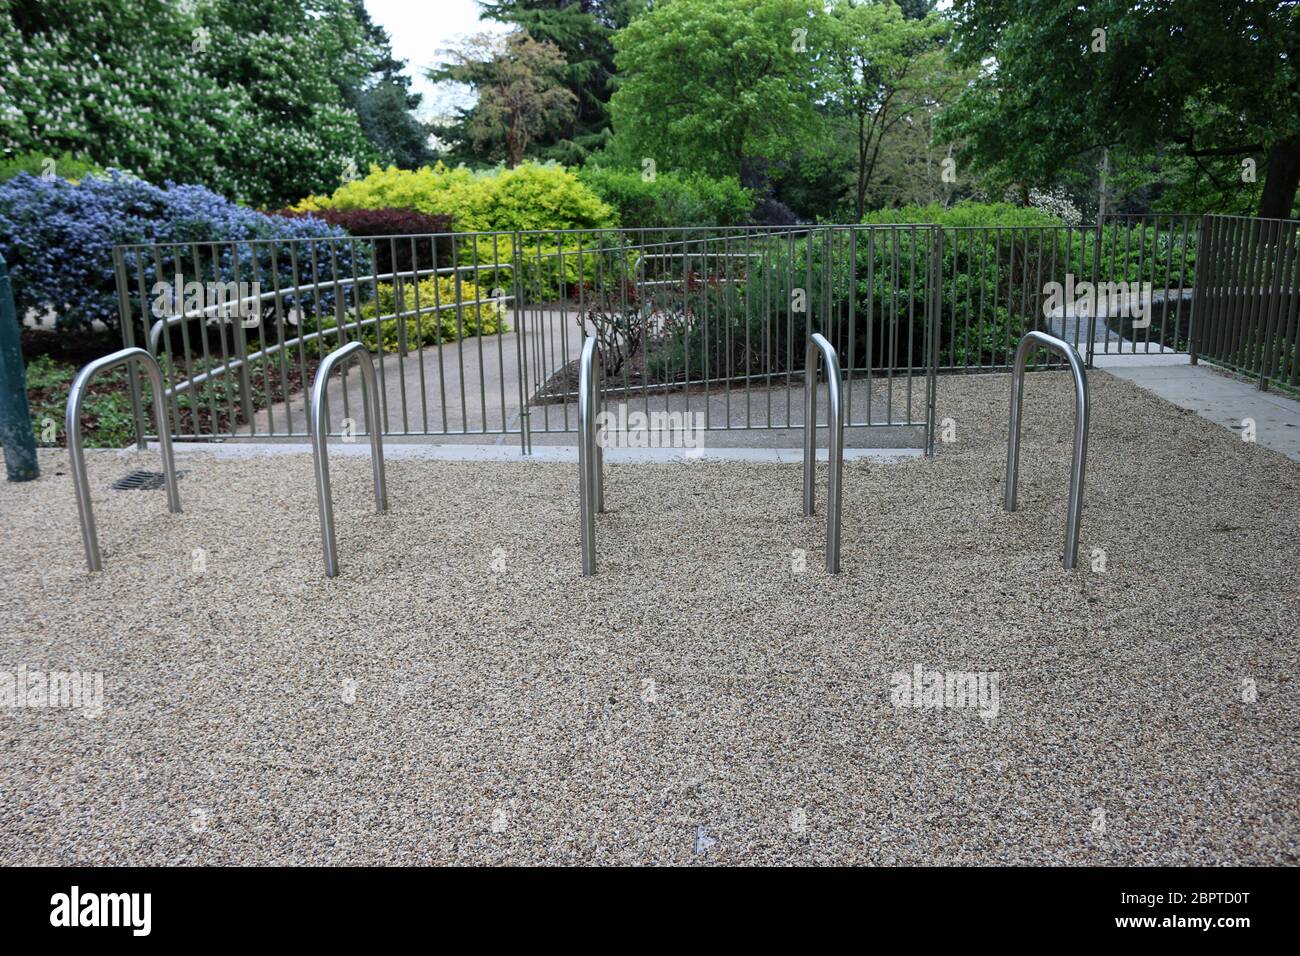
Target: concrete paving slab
x=1267, y=417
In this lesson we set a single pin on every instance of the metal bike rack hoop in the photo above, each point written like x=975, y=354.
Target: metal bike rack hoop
x=1079, y=459
x=76, y=452
x=319, y=448
x=818, y=343
x=591, y=463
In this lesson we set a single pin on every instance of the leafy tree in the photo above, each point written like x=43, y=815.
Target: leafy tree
x=249, y=97
x=286, y=63
x=385, y=103
x=816, y=180
x=917, y=9
x=1215, y=78
x=708, y=84
x=1166, y=179
x=872, y=65
x=583, y=32
x=112, y=81
x=385, y=111
x=520, y=91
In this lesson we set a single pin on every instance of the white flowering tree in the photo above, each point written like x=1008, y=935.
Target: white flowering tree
x=246, y=97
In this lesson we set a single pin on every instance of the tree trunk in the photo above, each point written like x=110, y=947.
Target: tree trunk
x=1281, y=179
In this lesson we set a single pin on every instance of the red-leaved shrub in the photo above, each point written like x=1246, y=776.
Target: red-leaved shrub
x=370, y=223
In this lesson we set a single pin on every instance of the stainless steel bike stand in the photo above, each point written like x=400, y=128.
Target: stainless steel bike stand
x=817, y=343
x=591, y=463
x=319, y=448
x=76, y=395
x=1074, y=511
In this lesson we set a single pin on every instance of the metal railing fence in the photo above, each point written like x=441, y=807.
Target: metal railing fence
x=1248, y=298
x=480, y=333
x=1123, y=287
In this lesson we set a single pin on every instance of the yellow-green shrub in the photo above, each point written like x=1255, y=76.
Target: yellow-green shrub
x=530, y=196
x=432, y=327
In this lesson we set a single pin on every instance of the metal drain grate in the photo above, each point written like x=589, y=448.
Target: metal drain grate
x=143, y=481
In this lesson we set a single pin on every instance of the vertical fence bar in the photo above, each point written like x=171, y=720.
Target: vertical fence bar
x=1291, y=340
x=1262, y=351
x=521, y=339
x=127, y=322
x=241, y=350
x=1200, y=290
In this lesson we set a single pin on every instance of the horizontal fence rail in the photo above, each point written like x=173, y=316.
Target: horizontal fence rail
x=479, y=334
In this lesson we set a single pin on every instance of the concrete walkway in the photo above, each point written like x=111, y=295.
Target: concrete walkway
x=465, y=386
x=1215, y=395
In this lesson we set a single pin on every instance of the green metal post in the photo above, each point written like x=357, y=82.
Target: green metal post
x=15, y=417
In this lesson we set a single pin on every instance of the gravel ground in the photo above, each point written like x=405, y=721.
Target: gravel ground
x=460, y=694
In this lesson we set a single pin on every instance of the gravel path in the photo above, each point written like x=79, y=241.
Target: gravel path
x=699, y=701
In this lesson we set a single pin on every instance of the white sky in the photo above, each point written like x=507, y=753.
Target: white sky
x=420, y=31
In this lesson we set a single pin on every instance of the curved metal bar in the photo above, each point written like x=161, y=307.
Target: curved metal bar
x=1074, y=513
x=76, y=396
x=319, y=447
x=818, y=343
x=591, y=463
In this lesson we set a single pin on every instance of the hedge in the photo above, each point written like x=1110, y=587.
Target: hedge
x=991, y=288
x=529, y=197
x=532, y=197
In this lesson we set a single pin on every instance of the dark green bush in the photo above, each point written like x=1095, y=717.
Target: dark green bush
x=670, y=200
x=867, y=289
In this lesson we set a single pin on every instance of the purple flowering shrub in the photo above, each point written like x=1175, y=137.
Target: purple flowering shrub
x=58, y=240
